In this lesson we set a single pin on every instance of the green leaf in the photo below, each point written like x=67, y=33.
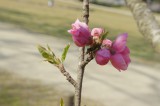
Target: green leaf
x=40, y=48
x=43, y=51
x=65, y=50
x=104, y=36
x=61, y=102
x=53, y=54
x=49, y=48
x=48, y=54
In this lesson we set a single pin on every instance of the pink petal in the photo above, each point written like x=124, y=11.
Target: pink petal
x=80, y=34
x=83, y=27
x=69, y=31
x=77, y=21
x=73, y=32
x=102, y=56
x=107, y=43
x=81, y=24
x=126, y=56
x=126, y=50
x=118, y=62
x=120, y=42
x=97, y=31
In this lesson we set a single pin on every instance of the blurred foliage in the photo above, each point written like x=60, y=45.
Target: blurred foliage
x=106, y=3
x=18, y=91
x=36, y=16
x=61, y=102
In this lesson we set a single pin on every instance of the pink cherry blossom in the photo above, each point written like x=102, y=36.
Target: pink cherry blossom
x=102, y=56
x=97, y=31
x=106, y=43
x=120, y=43
x=118, y=62
x=120, y=53
x=80, y=34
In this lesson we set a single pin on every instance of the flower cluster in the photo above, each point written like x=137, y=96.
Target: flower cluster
x=114, y=51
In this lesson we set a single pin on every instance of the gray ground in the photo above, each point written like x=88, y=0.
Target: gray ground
x=138, y=86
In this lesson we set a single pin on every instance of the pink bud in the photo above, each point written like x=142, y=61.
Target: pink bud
x=102, y=56
x=80, y=34
x=97, y=31
x=106, y=43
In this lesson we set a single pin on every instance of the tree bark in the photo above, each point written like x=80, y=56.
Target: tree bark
x=147, y=24
x=67, y=75
x=81, y=66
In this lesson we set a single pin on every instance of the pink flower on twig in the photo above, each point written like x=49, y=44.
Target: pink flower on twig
x=120, y=53
x=80, y=34
x=102, y=56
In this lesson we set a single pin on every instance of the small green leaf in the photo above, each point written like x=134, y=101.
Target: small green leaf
x=58, y=61
x=61, y=102
x=53, y=53
x=49, y=48
x=104, y=36
x=48, y=54
x=43, y=51
x=65, y=50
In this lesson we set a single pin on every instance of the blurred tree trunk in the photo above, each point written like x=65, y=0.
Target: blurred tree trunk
x=147, y=24
x=148, y=1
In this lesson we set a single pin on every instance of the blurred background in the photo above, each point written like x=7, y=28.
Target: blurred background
x=27, y=80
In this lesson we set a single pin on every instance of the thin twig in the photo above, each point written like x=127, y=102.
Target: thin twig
x=88, y=59
x=81, y=67
x=67, y=75
x=86, y=11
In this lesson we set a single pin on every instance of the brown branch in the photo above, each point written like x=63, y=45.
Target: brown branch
x=86, y=11
x=81, y=67
x=89, y=57
x=67, y=75
x=146, y=22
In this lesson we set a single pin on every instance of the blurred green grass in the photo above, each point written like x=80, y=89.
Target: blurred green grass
x=18, y=91
x=36, y=16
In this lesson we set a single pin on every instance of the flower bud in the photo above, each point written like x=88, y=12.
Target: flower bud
x=80, y=34
x=97, y=32
x=106, y=43
x=102, y=56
